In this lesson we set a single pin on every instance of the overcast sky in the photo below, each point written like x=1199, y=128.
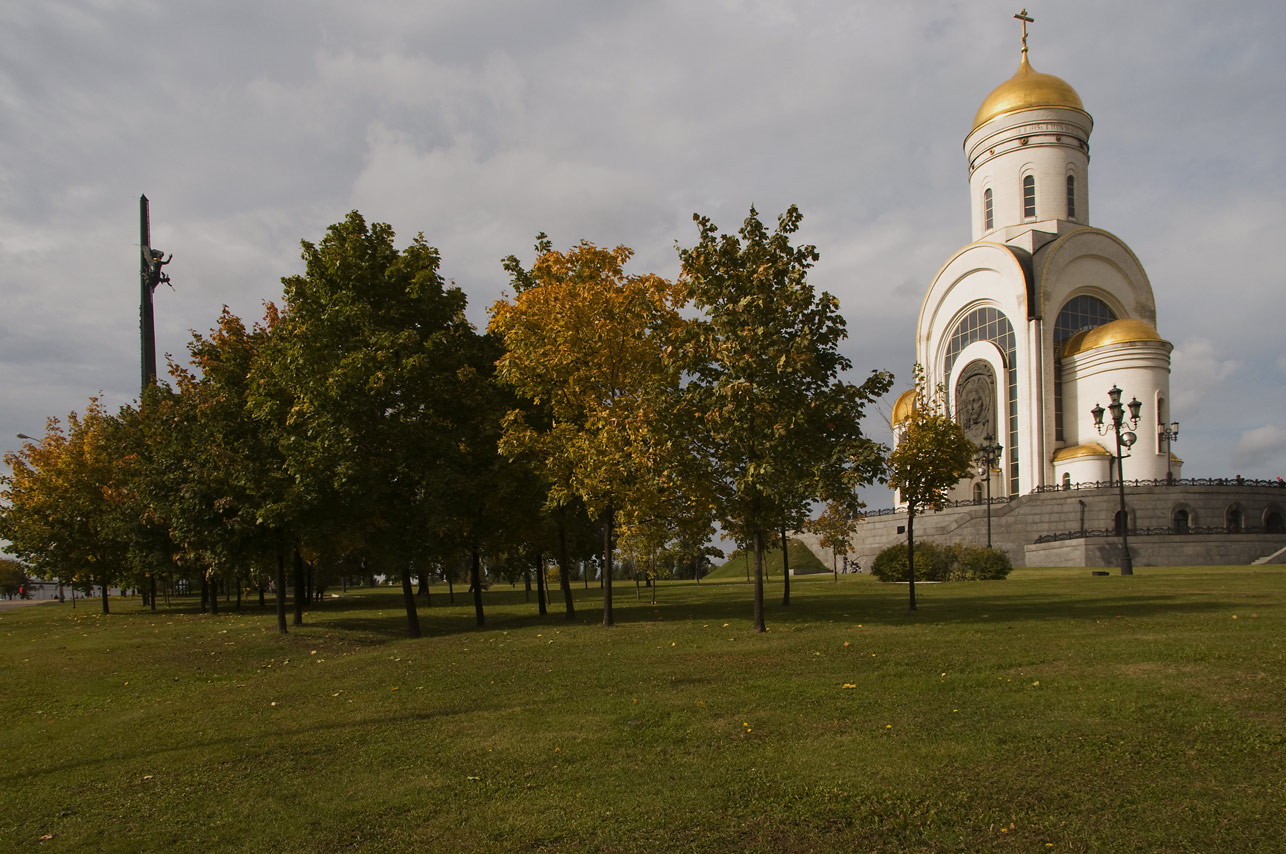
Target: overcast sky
x=253, y=125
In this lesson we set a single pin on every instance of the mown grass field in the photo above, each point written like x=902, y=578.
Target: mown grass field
x=1052, y=711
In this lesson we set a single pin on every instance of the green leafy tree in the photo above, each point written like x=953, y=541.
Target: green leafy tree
x=587, y=343
x=777, y=424
x=487, y=490
x=209, y=471
x=931, y=456
x=362, y=372
x=13, y=577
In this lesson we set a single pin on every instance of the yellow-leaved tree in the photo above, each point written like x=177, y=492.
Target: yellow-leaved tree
x=588, y=346
x=931, y=456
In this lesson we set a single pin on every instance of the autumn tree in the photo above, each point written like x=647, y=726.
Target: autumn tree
x=63, y=505
x=773, y=417
x=931, y=456
x=834, y=527
x=587, y=345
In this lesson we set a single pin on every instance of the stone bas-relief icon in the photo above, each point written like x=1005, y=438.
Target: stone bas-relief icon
x=976, y=401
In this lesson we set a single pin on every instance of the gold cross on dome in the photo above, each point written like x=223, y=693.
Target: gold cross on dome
x=1026, y=19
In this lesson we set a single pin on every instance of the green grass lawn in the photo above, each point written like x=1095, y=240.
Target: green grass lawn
x=1052, y=711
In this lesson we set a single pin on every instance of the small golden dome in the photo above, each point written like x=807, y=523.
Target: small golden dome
x=1093, y=449
x=1026, y=90
x=904, y=406
x=1117, y=332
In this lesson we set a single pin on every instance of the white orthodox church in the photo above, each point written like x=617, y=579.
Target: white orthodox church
x=1028, y=326
x=1029, y=329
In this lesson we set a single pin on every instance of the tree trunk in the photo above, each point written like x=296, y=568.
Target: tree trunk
x=565, y=568
x=214, y=598
x=262, y=603
x=652, y=576
x=610, y=518
x=299, y=587
x=104, y=586
x=238, y=594
x=408, y=597
x=205, y=594
x=540, y=584
x=526, y=585
x=757, y=543
x=424, y=584
x=835, y=565
x=910, y=551
x=785, y=569
x=281, y=590
x=450, y=589
x=475, y=577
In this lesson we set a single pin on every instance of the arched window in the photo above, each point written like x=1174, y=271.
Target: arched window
x=1273, y=523
x=988, y=211
x=1119, y=520
x=1067, y=480
x=1071, y=197
x=977, y=493
x=990, y=324
x=1029, y=196
x=1181, y=521
x=1234, y=519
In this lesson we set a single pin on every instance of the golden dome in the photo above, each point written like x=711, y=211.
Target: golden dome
x=1091, y=450
x=904, y=406
x=1117, y=332
x=1026, y=90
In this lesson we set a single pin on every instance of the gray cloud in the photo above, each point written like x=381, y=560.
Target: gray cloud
x=252, y=126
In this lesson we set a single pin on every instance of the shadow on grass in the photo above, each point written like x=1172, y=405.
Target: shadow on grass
x=247, y=746
x=379, y=616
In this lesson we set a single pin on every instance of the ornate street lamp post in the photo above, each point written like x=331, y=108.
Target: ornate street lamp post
x=1170, y=435
x=988, y=456
x=1123, y=441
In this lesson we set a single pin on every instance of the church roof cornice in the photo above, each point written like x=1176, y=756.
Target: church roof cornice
x=1053, y=252
x=1022, y=259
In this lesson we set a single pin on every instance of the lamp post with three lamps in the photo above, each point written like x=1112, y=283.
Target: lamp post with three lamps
x=988, y=455
x=1123, y=442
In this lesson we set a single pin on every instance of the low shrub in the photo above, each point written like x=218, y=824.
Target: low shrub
x=983, y=564
x=934, y=562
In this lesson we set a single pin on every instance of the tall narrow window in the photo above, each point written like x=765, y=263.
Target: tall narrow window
x=1071, y=197
x=1029, y=196
x=988, y=219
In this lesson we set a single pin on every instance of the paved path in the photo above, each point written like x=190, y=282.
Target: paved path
x=6, y=605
